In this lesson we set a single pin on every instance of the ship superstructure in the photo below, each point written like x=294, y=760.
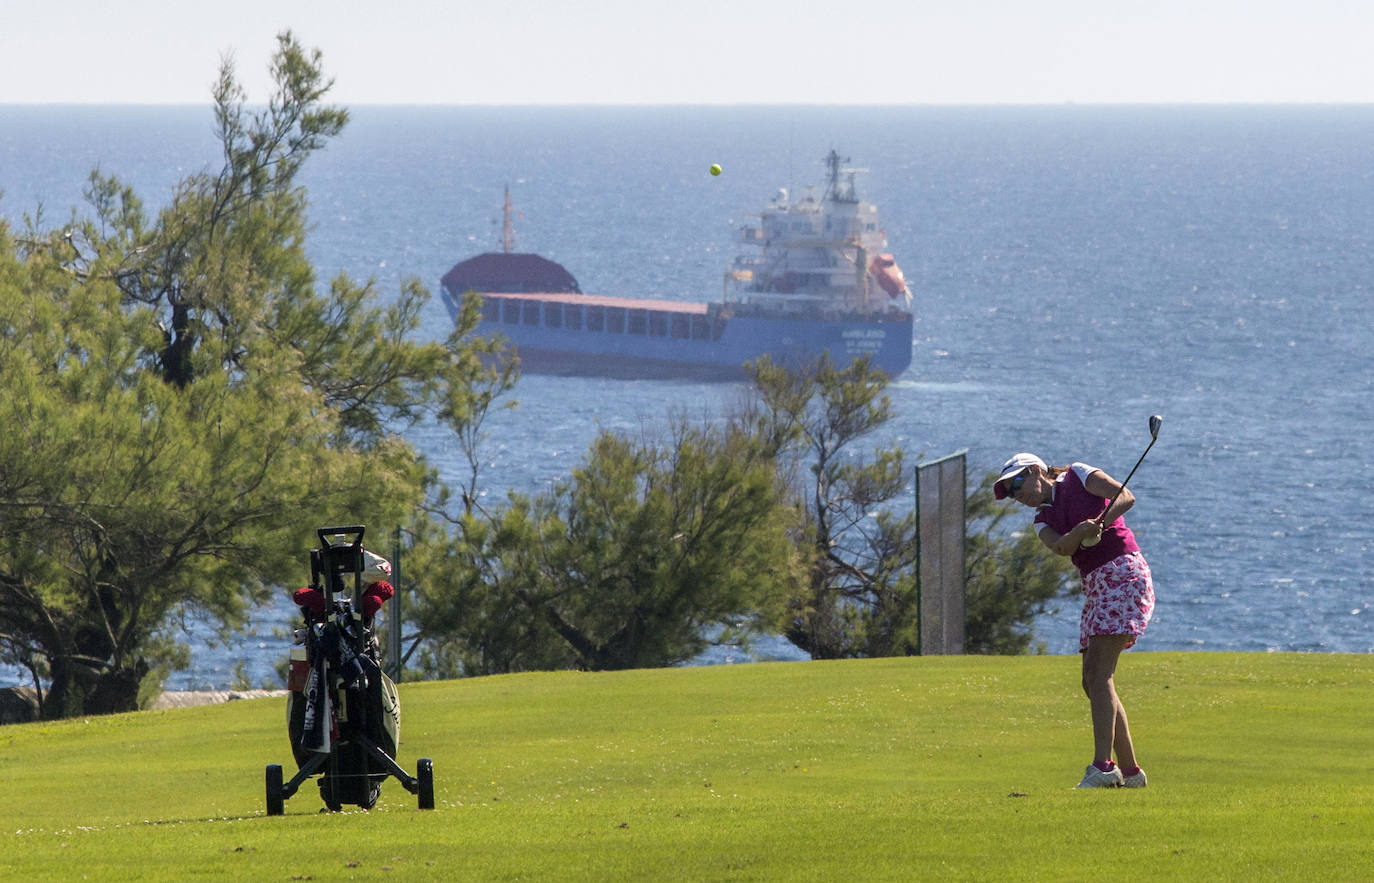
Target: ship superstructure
x=819, y=257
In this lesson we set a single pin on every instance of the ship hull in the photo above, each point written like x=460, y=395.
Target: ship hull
x=577, y=335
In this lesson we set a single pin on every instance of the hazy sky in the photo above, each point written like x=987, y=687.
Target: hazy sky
x=704, y=52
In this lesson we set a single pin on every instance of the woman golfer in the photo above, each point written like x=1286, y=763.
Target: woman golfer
x=1119, y=597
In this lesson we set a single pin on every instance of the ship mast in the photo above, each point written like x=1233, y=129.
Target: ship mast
x=833, y=169
x=507, y=228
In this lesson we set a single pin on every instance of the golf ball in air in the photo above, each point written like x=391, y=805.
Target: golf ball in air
x=715, y=168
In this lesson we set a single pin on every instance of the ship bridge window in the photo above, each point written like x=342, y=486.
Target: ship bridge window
x=572, y=316
x=491, y=309
x=638, y=321
x=658, y=324
x=553, y=315
x=682, y=326
x=531, y=312
x=701, y=328
x=510, y=312
x=596, y=318
x=615, y=320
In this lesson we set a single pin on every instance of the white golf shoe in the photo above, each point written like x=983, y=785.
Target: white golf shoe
x=1135, y=779
x=1095, y=778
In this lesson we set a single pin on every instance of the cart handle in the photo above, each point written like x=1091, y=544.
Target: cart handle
x=325, y=532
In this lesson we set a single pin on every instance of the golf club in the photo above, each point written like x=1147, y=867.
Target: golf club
x=1155, y=421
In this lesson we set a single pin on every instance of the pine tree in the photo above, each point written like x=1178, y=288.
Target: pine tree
x=184, y=405
x=636, y=560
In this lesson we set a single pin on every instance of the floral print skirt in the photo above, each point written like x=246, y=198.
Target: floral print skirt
x=1118, y=599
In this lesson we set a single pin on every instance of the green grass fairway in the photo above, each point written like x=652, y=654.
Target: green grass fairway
x=896, y=769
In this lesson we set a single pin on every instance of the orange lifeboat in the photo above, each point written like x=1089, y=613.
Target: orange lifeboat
x=884, y=268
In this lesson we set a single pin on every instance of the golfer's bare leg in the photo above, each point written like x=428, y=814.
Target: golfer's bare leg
x=1125, y=751
x=1110, y=728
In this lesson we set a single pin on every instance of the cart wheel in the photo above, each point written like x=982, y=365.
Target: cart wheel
x=371, y=791
x=328, y=795
x=274, y=798
x=424, y=772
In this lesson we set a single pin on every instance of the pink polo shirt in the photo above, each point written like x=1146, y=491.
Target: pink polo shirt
x=1072, y=504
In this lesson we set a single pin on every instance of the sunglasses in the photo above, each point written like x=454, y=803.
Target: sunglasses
x=1014, y=486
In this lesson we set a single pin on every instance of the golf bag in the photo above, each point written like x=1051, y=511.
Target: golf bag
x=343, y=713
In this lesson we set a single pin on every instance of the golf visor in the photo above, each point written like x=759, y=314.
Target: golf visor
x=1012, y=468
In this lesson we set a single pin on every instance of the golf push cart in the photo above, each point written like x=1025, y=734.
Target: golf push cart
x=343, y=714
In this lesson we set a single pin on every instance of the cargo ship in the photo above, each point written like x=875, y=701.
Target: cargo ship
x=817, y=278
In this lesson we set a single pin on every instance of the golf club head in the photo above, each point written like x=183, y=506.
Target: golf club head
x=1155, y=420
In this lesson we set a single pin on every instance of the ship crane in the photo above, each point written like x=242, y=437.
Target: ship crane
x=507, y=228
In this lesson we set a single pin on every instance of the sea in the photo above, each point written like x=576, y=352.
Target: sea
x=1076, y=269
